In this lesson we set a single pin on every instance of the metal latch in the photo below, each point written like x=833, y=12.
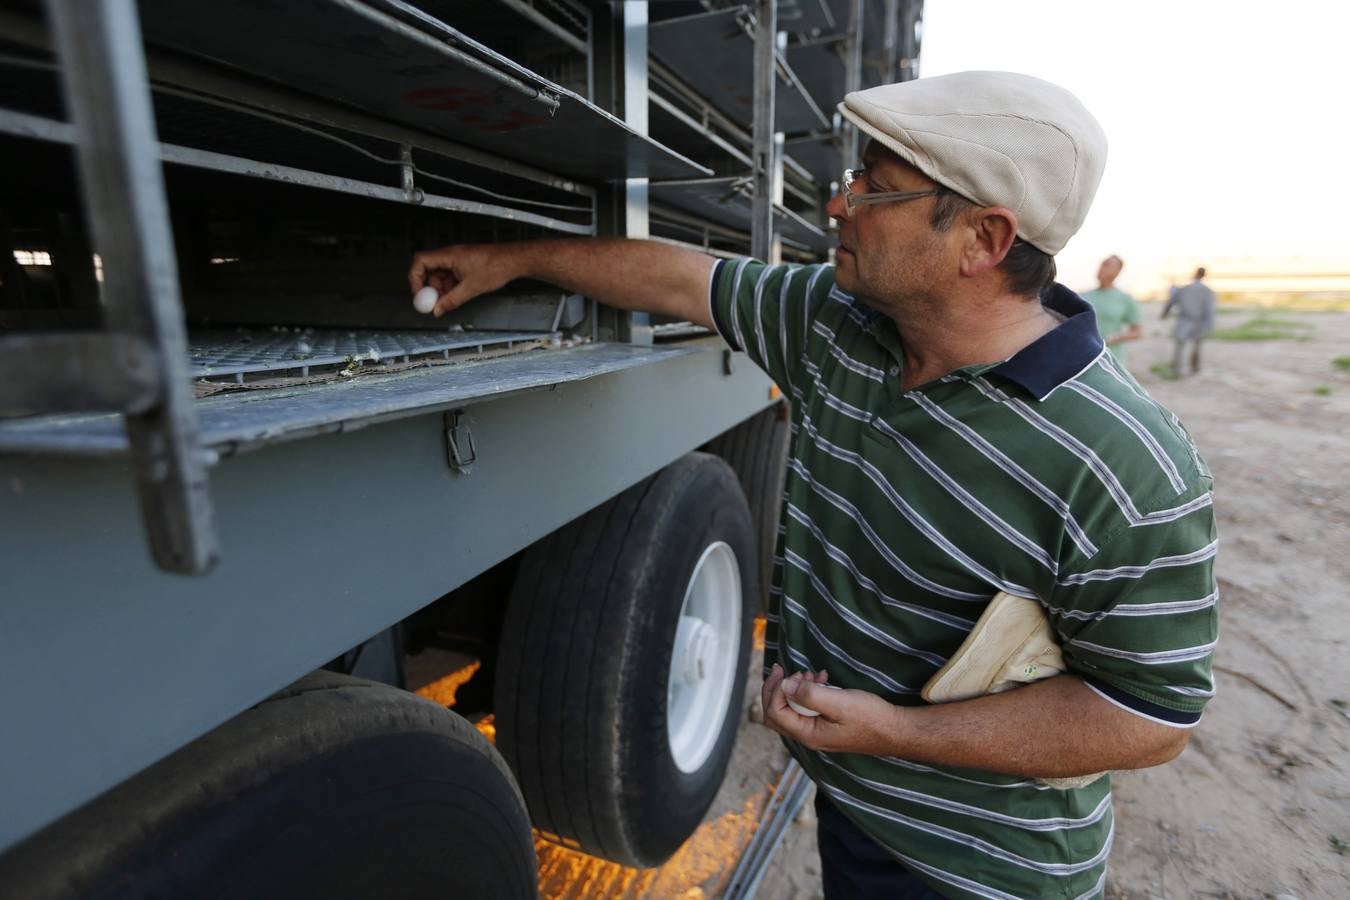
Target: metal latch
x=460, y=450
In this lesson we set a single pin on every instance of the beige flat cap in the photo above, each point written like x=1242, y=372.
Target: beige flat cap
x=996, y=138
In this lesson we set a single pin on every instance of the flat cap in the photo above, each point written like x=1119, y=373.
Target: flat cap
x=996, y=138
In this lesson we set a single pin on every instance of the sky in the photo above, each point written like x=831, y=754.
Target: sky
x=1228, y=123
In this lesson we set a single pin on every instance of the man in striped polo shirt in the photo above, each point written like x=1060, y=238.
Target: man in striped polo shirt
x=952, y=438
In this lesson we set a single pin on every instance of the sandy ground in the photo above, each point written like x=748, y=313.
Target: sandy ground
x=1259, y=804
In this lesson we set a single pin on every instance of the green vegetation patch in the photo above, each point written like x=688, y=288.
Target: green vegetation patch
x=1164, y=371
x=1265, y=328
x=1342, y=363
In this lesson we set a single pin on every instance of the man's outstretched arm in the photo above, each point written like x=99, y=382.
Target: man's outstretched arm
x=628, y=274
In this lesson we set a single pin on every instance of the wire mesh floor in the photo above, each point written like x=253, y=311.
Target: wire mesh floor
x=243, y=352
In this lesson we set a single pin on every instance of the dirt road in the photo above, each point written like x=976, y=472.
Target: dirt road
x=1259, y=804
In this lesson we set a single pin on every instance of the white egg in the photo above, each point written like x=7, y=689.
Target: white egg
x=806, y=710
x=425, y=299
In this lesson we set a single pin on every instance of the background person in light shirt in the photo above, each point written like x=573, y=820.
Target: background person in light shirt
x=1117, y=312
x=1195, y=306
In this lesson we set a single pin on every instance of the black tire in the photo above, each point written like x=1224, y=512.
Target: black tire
x=335, y=787
x=757, y=450
x=585, y=663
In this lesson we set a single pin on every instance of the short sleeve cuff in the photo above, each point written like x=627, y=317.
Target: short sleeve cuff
x=718, y=314
x=1132, y=704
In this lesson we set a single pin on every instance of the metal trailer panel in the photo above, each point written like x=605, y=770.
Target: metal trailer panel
x=40, y=128
x=715, y=55
x=112, y=664
x=821, y=156
x=727, y=201
x=245, y=421
x=822, y=67
x=198, y=104
x=415, y=75
x=811, y=16
x=685, y=133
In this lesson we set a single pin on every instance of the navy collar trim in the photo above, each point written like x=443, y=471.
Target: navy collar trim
x=1062, y=354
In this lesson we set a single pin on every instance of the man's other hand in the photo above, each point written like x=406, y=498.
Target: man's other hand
x=849, y=721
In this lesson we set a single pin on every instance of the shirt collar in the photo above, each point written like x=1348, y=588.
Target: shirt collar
x=1061, y=354
x=1047, y=362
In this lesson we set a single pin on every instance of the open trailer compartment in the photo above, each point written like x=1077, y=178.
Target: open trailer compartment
x=206, y=221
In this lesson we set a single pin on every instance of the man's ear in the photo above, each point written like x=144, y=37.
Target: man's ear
x=990, y=232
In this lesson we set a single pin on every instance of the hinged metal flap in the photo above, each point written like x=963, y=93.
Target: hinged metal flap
x=423, y=74
x=232, y=423
x=713, y=52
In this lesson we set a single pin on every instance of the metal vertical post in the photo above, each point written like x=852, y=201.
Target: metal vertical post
x=853, y=56
x=635, y=106
x=762, y=153
x=912, y=19
x=776, y=177
x=109, y=97
x=619, y=66
x=892, y=39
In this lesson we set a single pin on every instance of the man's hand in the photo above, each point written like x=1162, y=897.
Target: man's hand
x=461, y=272
x=627, y=274
x=849, y=721
x=1133, y=333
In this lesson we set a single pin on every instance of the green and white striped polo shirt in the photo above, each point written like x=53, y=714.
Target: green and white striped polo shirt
x=1051, y=475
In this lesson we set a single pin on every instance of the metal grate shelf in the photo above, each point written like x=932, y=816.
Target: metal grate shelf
x=239, y=353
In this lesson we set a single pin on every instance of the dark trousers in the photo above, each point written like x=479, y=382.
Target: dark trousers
x=1178, y=357
x=855, y=867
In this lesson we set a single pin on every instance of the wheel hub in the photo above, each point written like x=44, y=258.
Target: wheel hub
x=703, y=660
x=695, y=649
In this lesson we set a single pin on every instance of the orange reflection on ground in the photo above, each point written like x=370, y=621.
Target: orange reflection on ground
x=487, y=726
x=701, y=868
x=442, y=690
x=757, y=639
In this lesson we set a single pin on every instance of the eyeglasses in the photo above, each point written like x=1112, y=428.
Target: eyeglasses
x=852, y=199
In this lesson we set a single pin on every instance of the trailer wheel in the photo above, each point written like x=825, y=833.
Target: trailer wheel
x=757, y=449
x=336, y=787
x=623, y=663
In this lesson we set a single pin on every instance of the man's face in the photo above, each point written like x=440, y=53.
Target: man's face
x=889, y=251
x=1108, y=270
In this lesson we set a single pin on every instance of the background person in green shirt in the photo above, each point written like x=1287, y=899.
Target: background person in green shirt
x=1117, y=313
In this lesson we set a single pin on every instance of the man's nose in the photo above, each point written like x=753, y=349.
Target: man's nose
x=836, y=208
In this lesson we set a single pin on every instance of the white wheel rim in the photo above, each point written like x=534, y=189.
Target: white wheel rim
x=703, y=662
